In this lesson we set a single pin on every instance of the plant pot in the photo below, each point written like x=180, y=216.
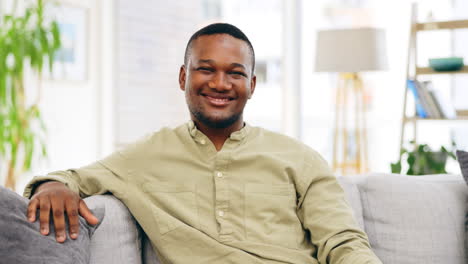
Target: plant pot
x=430, y=163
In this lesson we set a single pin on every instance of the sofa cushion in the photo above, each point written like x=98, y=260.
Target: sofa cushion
x=118, y=239
x=21, y=242
x=415, y=219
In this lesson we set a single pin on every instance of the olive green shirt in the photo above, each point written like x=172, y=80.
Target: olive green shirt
x=263, y=198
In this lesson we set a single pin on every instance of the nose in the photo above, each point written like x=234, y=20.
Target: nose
x=220, y=82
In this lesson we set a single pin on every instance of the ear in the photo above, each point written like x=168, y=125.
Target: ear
x=182, y=77
x=253, y=82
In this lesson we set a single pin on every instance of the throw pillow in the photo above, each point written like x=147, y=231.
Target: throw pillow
x=21, y=242
x=415, y=219
x=462, y=157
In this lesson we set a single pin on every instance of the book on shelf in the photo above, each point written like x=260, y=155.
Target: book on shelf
x=444, y=104
x=430, y=103
x=427, y=100
x=420, y=111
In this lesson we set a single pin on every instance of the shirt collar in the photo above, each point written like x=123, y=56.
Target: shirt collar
x=236, y=136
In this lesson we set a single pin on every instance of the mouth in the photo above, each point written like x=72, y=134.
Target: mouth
x=218, y=99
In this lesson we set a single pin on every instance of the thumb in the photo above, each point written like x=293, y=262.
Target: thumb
x=87, y=214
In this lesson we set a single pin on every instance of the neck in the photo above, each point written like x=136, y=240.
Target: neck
x=219, y=135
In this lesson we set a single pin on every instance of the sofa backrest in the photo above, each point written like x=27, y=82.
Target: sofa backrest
x=412, y=219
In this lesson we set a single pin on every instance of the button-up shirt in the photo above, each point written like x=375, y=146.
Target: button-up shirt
x=263, y=198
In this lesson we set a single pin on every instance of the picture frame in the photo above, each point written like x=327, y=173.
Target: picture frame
x=71, y=61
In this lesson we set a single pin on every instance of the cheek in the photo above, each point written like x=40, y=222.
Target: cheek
x=245, y=90
x=195, y=83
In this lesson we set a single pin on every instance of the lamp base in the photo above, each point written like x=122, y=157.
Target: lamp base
x=350, y=131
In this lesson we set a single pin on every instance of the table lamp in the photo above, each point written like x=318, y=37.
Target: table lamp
x=350, y=52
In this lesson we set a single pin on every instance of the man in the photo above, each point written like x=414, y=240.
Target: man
x=216, y=190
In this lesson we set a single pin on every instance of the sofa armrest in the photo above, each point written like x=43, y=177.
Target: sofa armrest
x=118, y=238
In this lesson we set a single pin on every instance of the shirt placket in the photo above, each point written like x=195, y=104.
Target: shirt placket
x=222, y=203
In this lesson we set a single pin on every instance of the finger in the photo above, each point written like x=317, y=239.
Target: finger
x=73, y=220
x=44, y=214
x=32, y=208
x=87, y=214
x=59, y=219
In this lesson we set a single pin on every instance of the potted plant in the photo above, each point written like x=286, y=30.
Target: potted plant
x=423, y=160
x=27, y=42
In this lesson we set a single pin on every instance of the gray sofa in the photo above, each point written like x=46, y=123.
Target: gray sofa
x=409, y=219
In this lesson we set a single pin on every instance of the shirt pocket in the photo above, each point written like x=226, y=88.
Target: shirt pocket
x=270, y=215
x=173, y=205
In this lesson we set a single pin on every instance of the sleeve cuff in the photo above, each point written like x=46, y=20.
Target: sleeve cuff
x=36, y=181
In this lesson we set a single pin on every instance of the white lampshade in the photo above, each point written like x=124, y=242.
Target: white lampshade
x=351, y=50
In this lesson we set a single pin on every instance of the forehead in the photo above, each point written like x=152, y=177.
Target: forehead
x=221, y=47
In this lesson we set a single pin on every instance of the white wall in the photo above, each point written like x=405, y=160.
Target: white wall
x=151, y=37
x=71, y=109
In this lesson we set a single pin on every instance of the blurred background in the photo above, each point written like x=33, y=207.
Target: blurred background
x=118, y=74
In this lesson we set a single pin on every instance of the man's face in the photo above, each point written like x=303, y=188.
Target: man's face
x=217, y=80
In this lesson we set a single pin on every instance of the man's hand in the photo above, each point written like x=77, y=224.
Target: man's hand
x=54, y=198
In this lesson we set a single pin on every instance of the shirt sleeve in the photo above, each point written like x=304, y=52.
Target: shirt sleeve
x=325, y=213
x=107, y=175
x=97, y=178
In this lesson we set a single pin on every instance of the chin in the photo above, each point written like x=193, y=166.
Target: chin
x=217, y=122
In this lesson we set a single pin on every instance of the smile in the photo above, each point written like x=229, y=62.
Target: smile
x=218, y=100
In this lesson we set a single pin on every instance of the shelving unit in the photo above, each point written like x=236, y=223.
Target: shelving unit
x=414, y=71
x=412, y=119
x=430, y=71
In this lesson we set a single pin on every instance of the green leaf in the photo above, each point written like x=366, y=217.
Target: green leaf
x=43, y=149
x=29, y=151
x=57, y=42
x=396, y=167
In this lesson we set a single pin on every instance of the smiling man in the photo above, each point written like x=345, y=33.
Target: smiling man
x=216, y=190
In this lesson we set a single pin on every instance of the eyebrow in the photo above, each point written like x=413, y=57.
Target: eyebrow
x=235, y=64
x=238, y=65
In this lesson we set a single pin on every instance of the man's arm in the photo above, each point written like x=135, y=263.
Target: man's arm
x=325, y=212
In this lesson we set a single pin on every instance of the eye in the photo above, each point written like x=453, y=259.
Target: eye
x=205, y=69
x=238, y=73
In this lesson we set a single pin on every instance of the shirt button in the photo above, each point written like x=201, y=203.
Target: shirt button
x=202, y=141
x=219, y=174
x=221, y=213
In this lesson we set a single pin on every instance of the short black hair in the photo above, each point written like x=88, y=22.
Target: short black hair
x=220, y=28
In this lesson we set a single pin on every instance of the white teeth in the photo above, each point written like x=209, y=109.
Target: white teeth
x=219, y=99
